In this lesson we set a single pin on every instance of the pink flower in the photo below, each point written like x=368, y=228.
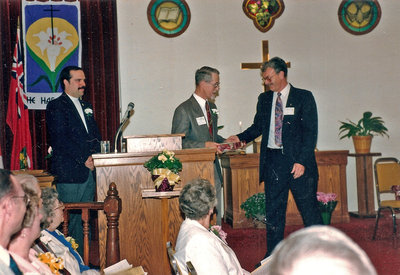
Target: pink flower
x=217, y=230
x=326, y=197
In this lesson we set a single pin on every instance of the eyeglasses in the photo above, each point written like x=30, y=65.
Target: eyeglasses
x=215, y=85
x=268, y=78
x=25, y=198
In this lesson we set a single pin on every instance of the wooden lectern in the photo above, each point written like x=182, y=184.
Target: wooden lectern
x=146, y=222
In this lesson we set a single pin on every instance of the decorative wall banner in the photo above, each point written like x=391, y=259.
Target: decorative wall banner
x=263, y=12
x=359, y=16
x=52, y=41
x=168, y=18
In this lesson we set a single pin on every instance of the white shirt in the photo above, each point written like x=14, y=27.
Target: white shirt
x=284, y=97
x=4, y=256
x=202, y=102
x=79, y=109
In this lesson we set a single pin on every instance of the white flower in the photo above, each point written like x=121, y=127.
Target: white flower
x=88, y=112
x=215, y=111
x=52, y=42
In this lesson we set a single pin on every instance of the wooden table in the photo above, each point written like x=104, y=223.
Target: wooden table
x=365, y=185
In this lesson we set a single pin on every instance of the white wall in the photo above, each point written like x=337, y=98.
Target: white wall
x=348, y=74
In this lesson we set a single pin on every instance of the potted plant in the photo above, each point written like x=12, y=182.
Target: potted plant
x=254, y=207
x=363, y=131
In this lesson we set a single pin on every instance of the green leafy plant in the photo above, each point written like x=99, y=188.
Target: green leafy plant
x=254, y=206
x=366, y=126
x=165, y=159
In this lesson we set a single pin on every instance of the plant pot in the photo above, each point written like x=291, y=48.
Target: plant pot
x=362, y=144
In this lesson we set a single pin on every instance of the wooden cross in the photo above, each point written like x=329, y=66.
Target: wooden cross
x=265, y=57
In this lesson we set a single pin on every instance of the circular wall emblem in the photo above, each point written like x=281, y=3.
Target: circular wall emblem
x=359, y=16
x=168, y=18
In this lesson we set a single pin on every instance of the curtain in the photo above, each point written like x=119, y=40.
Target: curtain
x=99, y=62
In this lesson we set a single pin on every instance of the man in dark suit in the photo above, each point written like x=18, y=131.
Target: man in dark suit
x=74, y=137
x=288, y=121
x=199, y=125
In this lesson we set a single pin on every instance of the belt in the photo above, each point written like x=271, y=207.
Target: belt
x=274, y=149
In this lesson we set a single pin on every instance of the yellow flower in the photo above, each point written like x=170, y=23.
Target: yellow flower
x=72, y=242
x=55, y=263
x=265, y=4
x=162, y=158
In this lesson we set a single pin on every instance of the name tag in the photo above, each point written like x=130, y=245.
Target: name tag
x=288, y=111
x=201, y=121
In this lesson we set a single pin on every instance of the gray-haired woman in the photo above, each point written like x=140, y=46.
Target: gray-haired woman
x=208, y=253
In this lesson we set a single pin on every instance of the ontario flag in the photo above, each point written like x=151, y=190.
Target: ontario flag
x=17, y=113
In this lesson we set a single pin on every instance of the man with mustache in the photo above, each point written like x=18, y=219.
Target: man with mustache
x=74, y=137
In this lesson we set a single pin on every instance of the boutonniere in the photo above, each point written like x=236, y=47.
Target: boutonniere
x=72, y=242
x=88, y=112
x=215, y=111
x=217, y=230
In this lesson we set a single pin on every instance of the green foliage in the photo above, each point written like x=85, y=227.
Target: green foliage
x=366, y=126
x=165, y=159
x=254, y=206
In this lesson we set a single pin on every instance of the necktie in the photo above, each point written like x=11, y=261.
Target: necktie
x=209, y=119
x=278, y=120
x=14, y=267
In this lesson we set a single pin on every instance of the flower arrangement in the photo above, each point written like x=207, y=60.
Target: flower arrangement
x=326, y=203
x=254, y=207
x=55, y=263
x=165, y=168
x=217, y=230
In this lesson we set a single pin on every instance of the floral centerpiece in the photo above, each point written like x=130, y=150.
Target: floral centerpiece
x=326, y=203
x=164, y=169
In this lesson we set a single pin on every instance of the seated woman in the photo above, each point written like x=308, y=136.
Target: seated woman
x=207, y=252
x=20, y=245
x=53, y=240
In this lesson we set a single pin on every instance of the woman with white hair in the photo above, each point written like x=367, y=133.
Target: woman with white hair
x=208, y=253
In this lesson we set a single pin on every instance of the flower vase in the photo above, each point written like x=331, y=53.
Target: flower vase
x=164, y=186
x=326, y=217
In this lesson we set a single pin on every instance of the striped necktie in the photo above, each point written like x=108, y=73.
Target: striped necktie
x=278, y=120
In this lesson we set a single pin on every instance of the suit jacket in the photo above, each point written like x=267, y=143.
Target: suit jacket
x=299, y=130
x=71, y=143
x=208, y=253
x=184, y=122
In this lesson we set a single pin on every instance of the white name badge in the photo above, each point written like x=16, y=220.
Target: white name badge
x=201, y=120
x=288, y=111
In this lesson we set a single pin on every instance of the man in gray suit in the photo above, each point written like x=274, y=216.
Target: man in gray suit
x=197, y=118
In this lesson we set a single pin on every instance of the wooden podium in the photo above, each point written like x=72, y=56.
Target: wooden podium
x=241, y=181
x=147, y=222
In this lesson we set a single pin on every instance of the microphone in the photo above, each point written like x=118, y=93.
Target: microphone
x=127, y=114
x=125, y=118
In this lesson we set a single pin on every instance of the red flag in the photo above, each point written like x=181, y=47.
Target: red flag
x=17, y=113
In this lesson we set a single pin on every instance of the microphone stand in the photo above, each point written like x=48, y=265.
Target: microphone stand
x=119, y=131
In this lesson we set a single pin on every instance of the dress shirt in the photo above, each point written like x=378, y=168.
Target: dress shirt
x=284, y=97
x=79, y=109
x=4, y=256
x=202, y=103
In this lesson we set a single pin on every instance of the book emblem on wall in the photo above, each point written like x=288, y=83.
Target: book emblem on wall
x=168, y=18
x=359, y=17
